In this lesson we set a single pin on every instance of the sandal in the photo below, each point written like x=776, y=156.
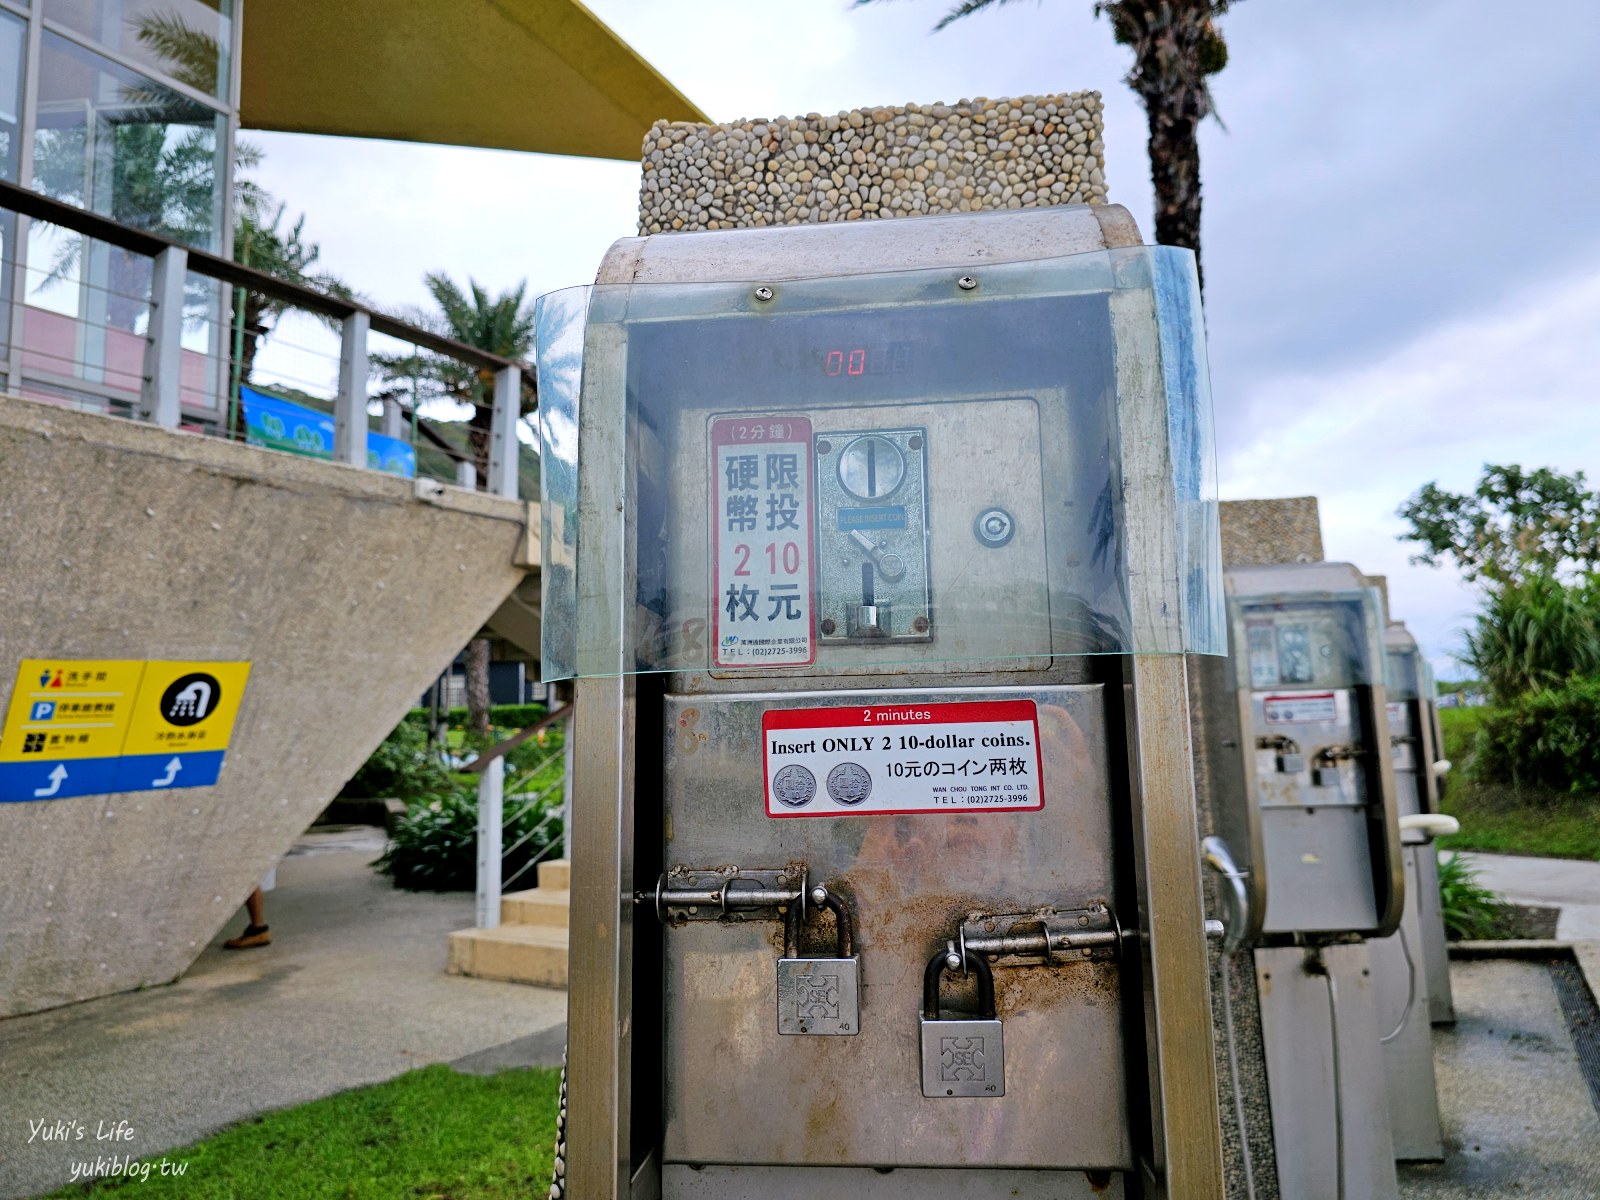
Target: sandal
x=253, y=935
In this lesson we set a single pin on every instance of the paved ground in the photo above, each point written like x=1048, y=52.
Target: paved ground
x=1518, y=1118
x=1569, y=884
x=352, y=991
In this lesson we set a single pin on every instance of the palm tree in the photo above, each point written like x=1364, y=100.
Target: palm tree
x=1176, y=47
x=502, y=325
x=260, y=241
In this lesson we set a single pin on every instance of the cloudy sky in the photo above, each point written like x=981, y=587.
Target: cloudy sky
x=1402, y=231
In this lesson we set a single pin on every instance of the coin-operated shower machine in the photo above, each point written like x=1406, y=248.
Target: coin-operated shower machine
x=1307, y=834
x=1419, y=768
x=1404, y=986
x=880, y=552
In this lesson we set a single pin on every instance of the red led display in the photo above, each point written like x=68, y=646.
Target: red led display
x=846, y=362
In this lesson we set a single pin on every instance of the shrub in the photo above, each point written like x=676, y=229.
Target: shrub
x=434, y=847
x=542, y=747
x=1546, y=740
x=1470, y=910
x=402, y=767
x=1536, y=634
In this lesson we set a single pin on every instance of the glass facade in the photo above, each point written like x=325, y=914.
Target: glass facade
x=122, y=145
x=124, y=108
x=188, y=41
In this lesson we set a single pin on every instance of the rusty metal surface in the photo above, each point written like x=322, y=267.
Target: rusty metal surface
x=863, y=1183
x=910, y=881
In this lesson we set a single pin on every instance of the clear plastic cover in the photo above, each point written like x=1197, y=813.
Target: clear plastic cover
x=880, y=472
x=1402, y=675
x=559, y=319
x=1313, y=643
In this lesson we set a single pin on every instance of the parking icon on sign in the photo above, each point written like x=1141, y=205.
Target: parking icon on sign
x=43, y=710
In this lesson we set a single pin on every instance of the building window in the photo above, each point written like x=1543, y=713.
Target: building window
x=13, y=34
x=122, y=145
x=184, y=40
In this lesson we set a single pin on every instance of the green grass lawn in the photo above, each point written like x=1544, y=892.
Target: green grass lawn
x=430, y=1134
x=1458, y=727
x=1506, y=821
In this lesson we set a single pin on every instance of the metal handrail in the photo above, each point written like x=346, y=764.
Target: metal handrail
x=493, y=815
x=213, y=266
x=161, y=387
x=511, y=788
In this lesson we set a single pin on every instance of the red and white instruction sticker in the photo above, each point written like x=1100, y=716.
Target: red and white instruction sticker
x=832, y=762
x=1302, y=708
x=762, y=614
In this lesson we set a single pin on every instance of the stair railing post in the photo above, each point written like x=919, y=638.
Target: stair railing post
x=160, y=399
x=350, y=407
x=503, y=447
x=491, y=817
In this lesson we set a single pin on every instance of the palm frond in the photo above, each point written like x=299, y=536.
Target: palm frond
x=965, y=9
x=189, y=55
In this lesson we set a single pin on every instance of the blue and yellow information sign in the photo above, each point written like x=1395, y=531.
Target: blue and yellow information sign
x=83, y=728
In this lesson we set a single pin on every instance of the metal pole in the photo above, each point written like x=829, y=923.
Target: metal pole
x=237, y=380
x=566, y=784
x=350, y=409
x=415, y=369
x=160, y=398
x=491, y=817
x=503, y=445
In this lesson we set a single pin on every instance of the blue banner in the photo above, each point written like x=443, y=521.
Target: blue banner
x=276, y=424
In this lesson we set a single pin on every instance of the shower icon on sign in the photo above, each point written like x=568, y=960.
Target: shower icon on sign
x=191, y=699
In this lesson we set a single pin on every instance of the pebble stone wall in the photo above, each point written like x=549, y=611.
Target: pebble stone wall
x=874, y=162
x=1260, y=532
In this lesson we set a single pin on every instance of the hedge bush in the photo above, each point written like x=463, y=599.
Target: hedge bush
x=503, y=716
x=1546, y=740
x=434, y=847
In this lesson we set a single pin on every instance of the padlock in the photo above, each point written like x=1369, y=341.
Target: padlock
x=1291, y=761
x=819, y=995
x=961, y=1056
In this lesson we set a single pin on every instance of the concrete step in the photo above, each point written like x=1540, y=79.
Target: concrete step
x=555, y=874
x=535, y=954
x=537, y=906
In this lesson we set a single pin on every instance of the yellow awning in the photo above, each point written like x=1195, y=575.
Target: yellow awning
x=541, y=75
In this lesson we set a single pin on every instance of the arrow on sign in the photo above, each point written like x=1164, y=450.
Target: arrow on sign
x=174, y=765
x=56, y=776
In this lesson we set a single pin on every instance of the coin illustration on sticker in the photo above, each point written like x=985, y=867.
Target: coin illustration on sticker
x=849, y=783
x=794, y=785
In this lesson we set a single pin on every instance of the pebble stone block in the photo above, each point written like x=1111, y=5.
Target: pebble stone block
x=974, y=155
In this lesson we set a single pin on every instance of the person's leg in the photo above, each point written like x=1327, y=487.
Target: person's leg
x=255, y=933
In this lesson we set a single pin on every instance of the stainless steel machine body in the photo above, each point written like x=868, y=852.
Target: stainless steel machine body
x=1303, y=799
x=876, y=584
x=1304, y=795
x=1418, y=768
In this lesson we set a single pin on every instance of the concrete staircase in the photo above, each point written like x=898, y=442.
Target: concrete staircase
x=530, y=943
